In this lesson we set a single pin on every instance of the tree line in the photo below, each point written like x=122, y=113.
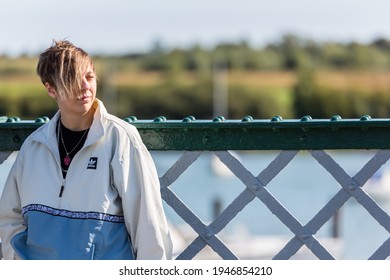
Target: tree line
x=288, y=53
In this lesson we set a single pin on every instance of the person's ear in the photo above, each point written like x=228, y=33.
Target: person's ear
x=51, y=91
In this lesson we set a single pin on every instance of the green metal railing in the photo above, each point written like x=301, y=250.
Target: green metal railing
x=246, y=134
x=219, y=136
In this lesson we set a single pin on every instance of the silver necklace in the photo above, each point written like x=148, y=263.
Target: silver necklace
x=67, y=158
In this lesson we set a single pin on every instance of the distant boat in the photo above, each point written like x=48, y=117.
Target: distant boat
x=378, y=186
x=219, y=168
x=220, y=108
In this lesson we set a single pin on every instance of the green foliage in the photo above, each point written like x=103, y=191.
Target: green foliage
x=323, y=102
x=163, y=100
x=260, y=104
x=27, y=107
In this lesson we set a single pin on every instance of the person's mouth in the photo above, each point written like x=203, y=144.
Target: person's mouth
x=85, y=96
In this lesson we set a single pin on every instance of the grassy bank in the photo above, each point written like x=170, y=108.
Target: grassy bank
x=128, y=90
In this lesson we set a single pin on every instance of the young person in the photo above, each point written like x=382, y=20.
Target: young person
x=83, y=185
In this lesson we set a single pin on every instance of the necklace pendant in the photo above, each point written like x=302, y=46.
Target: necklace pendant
x=67, y=160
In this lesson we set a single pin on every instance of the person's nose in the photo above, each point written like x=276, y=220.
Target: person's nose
x=85, y=85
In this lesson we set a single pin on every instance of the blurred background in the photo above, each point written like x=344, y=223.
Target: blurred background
x=207, y=58
x=177, y=58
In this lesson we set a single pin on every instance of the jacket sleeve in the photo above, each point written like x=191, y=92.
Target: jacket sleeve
x=138, y=185
x=11, y=220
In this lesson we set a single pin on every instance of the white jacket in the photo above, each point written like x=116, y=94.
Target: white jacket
x=110, y=208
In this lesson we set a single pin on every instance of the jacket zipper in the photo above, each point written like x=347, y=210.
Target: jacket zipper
x=62, y=188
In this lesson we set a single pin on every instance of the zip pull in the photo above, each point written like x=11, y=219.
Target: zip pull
x=61, y=190
x=62, y=187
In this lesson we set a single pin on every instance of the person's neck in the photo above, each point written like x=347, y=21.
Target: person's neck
x=77, y=123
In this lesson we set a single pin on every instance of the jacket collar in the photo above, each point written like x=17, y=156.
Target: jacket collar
x=48, y=132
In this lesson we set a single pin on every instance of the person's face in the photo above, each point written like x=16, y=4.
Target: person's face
x=82, y=101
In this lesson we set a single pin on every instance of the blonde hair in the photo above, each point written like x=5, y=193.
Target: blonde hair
x=62, y=66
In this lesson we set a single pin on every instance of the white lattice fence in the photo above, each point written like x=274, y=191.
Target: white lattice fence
x=256, y=188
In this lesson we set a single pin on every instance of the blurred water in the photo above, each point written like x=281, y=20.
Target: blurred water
x=303, y=187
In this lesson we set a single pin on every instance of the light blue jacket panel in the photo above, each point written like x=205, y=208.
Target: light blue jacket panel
x=88, y=235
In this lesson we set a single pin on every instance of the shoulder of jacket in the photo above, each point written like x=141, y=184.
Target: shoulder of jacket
x=123, y=128
x=37, y=135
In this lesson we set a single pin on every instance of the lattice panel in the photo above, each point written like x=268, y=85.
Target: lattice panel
x=255, y=188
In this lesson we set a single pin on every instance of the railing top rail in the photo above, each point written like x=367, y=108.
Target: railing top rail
x=246, y=134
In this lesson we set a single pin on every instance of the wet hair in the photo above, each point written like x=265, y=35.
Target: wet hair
x=62, y=66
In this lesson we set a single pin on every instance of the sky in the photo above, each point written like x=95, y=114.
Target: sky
x=125, y=26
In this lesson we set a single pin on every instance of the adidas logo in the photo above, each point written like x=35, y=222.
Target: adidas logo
x=92, y=163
